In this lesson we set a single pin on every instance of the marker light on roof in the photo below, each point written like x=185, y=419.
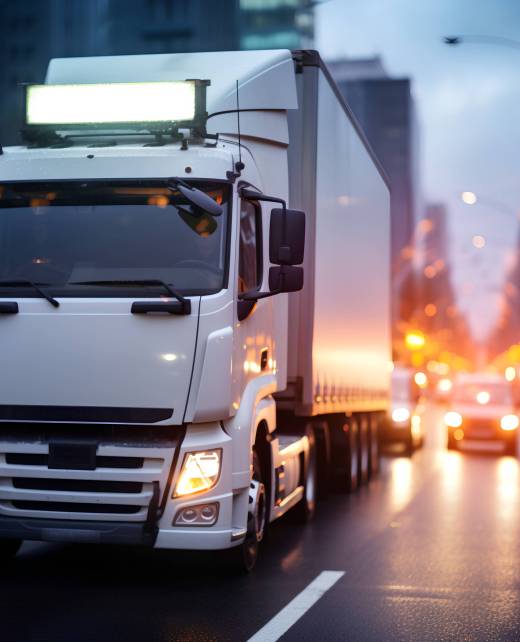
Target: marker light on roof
x=117, y=103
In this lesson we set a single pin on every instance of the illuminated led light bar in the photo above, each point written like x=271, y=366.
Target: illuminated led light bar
x=111, y=103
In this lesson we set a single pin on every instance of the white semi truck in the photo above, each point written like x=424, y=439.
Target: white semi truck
x=158, y=384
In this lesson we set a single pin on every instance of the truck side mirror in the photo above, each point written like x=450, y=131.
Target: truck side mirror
x=285, y=278
x=286, y=237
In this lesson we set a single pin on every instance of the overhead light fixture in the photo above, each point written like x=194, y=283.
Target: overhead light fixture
x=114, y=104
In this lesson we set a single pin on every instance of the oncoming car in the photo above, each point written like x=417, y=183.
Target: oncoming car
x=482, y=409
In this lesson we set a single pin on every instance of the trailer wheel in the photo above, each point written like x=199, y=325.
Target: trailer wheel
x=409, y=446
x=354, y=473
x=452, y=442
x=374, y=453
x=305, y=510
x=244, y=556
x=324, y=476
x=364, y=449
x=9, y=548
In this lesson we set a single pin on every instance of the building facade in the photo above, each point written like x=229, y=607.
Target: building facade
x=34, y=31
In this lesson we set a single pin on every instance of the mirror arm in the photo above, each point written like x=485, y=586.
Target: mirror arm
x=253, y=195
x=254, y=295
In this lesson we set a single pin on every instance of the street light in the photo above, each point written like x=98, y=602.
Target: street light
x=415, y=340
x=453, y=41
x=471, y=198
x=478, y=241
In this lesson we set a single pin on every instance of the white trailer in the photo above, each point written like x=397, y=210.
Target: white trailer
x=159, y=384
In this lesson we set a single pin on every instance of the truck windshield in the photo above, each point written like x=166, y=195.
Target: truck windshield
x=69, y=235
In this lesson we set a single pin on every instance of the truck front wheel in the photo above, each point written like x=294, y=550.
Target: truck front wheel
x=244, y=556
x=305, y=509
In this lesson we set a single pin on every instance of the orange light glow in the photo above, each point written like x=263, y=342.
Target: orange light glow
x=425, y=226
x=510, y=373
x=39, y=202
x=159, y=200
x=445, y=385
x=415, y=340
x=429, y=271
x=458, y=434
x=421, y=379
x=430, y=310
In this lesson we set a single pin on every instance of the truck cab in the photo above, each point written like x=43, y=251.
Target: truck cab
x=151, y=390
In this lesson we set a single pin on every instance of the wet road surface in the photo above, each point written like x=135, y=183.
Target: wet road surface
x=430, y=551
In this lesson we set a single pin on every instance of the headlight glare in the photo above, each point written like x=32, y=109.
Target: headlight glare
x=400, y=415
x=200, y=472
x=453, y=419
x=509, y=422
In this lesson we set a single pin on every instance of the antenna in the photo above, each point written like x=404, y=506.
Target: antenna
x=240, y=165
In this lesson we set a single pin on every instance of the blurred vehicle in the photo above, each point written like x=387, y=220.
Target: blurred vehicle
x=405, y=424
x=482, y=409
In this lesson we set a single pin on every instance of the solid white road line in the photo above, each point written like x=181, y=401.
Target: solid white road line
x=297, y=607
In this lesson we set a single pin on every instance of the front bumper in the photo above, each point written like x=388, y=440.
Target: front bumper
x=81, y=532
x=125, y=497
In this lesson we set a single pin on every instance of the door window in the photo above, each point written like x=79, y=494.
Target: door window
x=250, y=247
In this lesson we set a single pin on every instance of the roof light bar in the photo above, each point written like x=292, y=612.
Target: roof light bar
x=120, y=105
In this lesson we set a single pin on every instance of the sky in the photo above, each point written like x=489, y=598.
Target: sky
x=467, y=100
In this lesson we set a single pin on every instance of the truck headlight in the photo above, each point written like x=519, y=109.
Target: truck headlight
x=400, y=415
x=509, y=422
x=200, y=472
x=453, y=419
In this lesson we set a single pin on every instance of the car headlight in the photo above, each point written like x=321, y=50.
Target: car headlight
x=453, y=419
x=200, y=472
x=400, y=415
x=509, y=422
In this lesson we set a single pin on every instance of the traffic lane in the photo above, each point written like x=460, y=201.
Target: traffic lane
x=82, y=593
x=446, y=568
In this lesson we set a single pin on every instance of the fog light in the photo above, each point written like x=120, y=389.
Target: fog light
x=201, y=515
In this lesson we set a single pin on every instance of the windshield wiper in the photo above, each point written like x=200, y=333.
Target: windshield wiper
x=35, y=286
x=186, y=304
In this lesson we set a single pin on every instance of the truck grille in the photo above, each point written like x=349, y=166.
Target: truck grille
x=131, y=464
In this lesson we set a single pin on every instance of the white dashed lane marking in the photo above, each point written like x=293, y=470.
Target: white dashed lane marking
x=297, y=607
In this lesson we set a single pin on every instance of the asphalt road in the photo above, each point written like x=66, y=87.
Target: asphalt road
x=430, y=551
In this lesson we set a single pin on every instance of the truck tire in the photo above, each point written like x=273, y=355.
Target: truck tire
x=344, y=455
x=364, y=449
x=9, y=548
x=511, y=447
x=452, y=442
x=244, y=556
x=353, y=459
x=305, y=510
x=409, y=447
x=322, y=439
x=374, y=456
